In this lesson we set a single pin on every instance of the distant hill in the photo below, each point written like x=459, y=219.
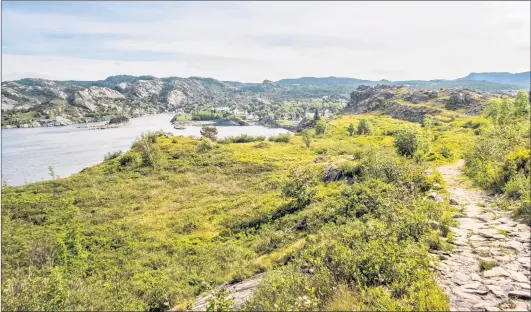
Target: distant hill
x=32, y=102
x=324, y=81
x=343, y=83
x=521, y=79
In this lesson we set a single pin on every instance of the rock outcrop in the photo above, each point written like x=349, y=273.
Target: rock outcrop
x=413, y=105
x=390, y=100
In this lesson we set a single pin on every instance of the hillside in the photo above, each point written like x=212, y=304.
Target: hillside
x=522, y=79
x=35, y=102
x=350, y=214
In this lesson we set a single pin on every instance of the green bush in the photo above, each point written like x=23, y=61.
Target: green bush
x=410, y=141
x=244, y=138
x=517, y=187
x=365, y=127
x=283, y=137
x=322, y=151
x=301, y=185
x=351, y=129
x=112, y=155
x=321, y=127
x=219, y=301
x=151, y=154
x=205, y=145
x=130, y=158
x=306, y=137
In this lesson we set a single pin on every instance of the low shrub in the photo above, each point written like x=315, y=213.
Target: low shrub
x=130, y=158
x=205, y=145
x=151, y=154
x=282, y=138
x=365, y=127
x=244, y=138
x=410, y=141
x=112, y=155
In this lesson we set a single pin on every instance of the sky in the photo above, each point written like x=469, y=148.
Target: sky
x=253, y=41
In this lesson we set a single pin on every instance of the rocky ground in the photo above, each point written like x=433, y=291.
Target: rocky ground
x=487, y=237
x=413, y=104
x=239, y=293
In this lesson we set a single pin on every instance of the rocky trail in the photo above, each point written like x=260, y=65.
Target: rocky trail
x=489, y=266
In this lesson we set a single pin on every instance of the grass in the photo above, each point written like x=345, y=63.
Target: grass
x=486, y=265
x=124, y=236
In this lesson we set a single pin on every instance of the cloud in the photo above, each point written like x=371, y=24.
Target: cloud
x=252, y=41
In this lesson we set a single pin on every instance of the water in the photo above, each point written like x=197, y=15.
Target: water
x=27, y=153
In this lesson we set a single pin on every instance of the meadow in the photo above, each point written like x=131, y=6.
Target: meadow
x=339, y=218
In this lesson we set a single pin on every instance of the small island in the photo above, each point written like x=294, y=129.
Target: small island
x=115, y=122
x=220, y=117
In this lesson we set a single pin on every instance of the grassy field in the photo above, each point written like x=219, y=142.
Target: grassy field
x=153, y=228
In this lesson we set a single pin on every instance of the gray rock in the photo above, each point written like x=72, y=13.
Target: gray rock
x=460, y=278
x=453, y=202
x=487, y=233
x=495, y=272
x=436, y=197
x=497, y=291
x=519, y=277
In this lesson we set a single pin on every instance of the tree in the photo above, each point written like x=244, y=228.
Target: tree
x=500, y=110
x=522, y=104
x=364, y=127
x=351, y=129
x=306, y=137
x=209, y=132
x=316, y=115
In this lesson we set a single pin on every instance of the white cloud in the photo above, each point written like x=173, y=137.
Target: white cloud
x=252, y=41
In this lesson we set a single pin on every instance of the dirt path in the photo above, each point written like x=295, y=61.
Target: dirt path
x=485, y=235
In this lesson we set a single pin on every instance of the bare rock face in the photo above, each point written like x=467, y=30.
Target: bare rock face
x=91, y=97
x=385, y=98
x=471, y=101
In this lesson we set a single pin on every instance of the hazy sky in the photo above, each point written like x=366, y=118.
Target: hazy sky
x=253, y=41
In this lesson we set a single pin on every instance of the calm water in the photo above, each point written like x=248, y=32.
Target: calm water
x=27, y=153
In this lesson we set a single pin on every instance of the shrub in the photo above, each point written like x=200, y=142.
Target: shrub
x=446, y=152
x=409, y=142
x=130, y=158
x=244, y=138
x=151, y=154
x=522, y=104
x=486, y=265
x=112, y=155
x=427, y=121
x=321, y=151
x=365, y=127
x=321, y=127
x=205, y=145
x=219, y=301
x=262, y=145
x=306, y=137
x=301, y=185
x=351, y=129
x=517, y=187
x=283, y=137
x=209, y=132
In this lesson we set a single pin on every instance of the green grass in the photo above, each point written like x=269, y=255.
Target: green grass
x=126, y=236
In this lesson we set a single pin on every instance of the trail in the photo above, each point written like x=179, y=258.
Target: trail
x=485, y=233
